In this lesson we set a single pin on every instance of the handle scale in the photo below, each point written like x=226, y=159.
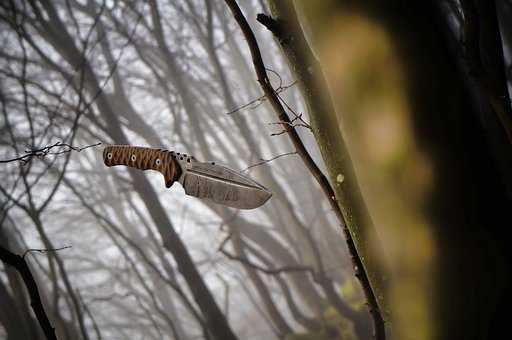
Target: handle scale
x=142, y=158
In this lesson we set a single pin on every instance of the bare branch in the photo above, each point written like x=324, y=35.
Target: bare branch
x=269, y=271
x=47, y=150
x=265, y=161
x=298, y=117
x=42, y=251
x=19, y=263
x=258, y=101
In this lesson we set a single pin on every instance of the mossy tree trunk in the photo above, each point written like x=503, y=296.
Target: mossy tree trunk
x=325, y=126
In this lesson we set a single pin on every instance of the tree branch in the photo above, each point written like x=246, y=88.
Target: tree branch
x=269, y=271
x=47, y=150
x=260, y=69
x=265, y=161
x=484, y=56
x=19, y=263
x=42, y=251
x=256, y=102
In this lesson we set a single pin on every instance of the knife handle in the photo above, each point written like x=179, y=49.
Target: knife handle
x=143, y=158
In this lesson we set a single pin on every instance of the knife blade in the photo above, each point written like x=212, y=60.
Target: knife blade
x=205, y=180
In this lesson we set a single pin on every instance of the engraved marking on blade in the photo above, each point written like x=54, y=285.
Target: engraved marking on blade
x=219, y=190
x=224, y=180
x=211, y=188
x=224, y=173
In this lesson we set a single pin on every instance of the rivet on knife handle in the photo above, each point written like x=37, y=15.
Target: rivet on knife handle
x=144, y=159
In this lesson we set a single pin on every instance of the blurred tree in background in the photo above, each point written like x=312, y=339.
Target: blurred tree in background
x=403, y=106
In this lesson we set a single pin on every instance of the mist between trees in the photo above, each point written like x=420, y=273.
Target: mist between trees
x=115, y=255
x=175, y=75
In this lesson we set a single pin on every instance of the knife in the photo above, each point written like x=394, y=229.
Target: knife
x=205, y=180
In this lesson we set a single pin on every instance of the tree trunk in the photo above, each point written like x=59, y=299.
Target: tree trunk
x=439, y=197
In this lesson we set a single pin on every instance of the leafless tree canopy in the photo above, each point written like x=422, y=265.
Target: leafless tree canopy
x=114, y=254
x=145, y=261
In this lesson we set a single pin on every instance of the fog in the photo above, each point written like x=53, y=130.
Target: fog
x=382, y=130
x=175, y=75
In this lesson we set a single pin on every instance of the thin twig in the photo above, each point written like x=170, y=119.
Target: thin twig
x=264, y=161
x=258, y=101
x=302, y=122
x=47, y=150
x=42, y=251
